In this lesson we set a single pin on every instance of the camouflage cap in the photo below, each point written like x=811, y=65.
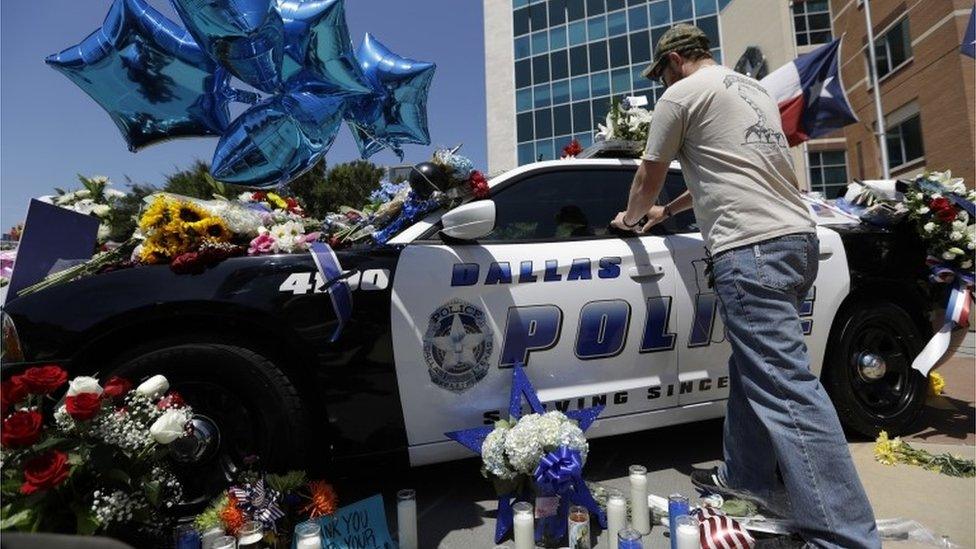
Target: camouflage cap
x=679, y=38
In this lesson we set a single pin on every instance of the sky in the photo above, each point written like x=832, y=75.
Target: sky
x=50, y=130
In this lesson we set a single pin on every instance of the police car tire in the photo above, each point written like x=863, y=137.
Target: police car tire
x=838, y=373
x=263, y=385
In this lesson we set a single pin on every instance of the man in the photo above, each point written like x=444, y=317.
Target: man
x=725, y=130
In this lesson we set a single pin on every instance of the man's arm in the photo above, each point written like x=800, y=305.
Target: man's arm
x=644, y=191
x=658, y=214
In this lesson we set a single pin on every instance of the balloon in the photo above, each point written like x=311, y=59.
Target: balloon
x=427, y=177
x=279, y=138
x=317, y=39
x=245, y=36
x=396, y=112
x=149, y=74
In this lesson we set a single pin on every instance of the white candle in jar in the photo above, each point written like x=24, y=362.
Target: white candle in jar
x=639, y=512
x=686, y=531
x=616, y=516
x=308, y=535
x=523, y=523
x=407, y=519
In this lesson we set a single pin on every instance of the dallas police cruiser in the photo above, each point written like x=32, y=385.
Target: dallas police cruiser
x=441, y=314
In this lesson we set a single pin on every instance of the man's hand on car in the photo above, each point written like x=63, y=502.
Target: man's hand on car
x=655, y=215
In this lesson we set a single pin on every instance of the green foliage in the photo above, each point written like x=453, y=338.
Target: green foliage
x=197, y=182
x=326, y=190
x=288, y=482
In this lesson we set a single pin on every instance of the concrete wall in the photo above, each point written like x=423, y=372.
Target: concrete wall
x=500, y=85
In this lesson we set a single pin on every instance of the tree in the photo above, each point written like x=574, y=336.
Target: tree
x=197, y=182
x=325, y=190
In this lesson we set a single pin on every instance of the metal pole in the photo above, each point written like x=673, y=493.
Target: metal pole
x=873, y=72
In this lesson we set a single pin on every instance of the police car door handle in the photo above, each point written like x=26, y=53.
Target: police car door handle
x=646, y=271
x=825, y=252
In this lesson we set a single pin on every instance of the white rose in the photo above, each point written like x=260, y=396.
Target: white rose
x=113, y=193
x=948, y=255
x=966, y=264
x=971, y=245
x=153, y=387
x=958, y=226
x=929, y=227
x=84, y=384
x=922, y=210
x=955, y=235
x=64, y=198
x=169, y=427
x=83, y=193
x=101, y=210
x=85, y=206
x=245, y=197
x=956, y=251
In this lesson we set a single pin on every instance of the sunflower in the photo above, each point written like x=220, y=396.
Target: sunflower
x=187, y=212
x=936, y=384
x=322, y=499
x=211, y=229
x=151, y=253
x=156, y=215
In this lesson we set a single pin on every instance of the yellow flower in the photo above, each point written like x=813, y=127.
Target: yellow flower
x=212, y=229
x=936, y=383
x=152, y=253
x=277, y=201
x=884, y=452
x=156, y=215
x=187, y=212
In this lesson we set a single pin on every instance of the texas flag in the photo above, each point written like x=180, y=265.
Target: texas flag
x=810, y=94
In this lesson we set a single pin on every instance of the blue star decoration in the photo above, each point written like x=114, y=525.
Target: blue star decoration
x=474, y=438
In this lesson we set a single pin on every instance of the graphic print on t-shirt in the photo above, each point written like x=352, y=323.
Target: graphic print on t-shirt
x=759, y=133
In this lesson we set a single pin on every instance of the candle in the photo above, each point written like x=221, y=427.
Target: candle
x=677, y=507
x=616, y=516
x=407, y=519
x=639, y=512
x=308, y=535
x=250, y=536
x=629, y=539
x=211, y=535
x=523, y=523
x=579, y=527
x=187, y=537
x=224, y=542
x=686, y=533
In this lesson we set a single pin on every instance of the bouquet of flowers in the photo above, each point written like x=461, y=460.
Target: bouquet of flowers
x=937, y=204
x=626, y=121
x=892, y=451
x=95, y=198
x=97, y=463
x=278, y=502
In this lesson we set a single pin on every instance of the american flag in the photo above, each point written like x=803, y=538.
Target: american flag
x=721, y=532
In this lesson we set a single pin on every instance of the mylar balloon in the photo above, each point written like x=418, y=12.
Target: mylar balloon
x=396, y=113
x=317, y=39
x=150, y=76
x=245, y=36
x=278, y=139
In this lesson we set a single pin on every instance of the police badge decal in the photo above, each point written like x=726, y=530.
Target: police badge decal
x=457, y=345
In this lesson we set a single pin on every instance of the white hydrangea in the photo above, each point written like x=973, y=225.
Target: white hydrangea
x=922, y=210
x=535, y=435
x=929, y=227
x=948, y=255
x=966, y=264
x=493, y=454
x=955, y=235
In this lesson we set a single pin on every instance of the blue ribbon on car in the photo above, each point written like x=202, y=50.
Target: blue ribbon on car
x=335, y=283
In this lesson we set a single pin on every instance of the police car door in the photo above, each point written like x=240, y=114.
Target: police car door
x=587, y=312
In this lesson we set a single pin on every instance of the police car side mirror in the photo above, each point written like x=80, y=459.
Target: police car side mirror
x=470, y=221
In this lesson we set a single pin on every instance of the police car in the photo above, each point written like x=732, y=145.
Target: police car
x=442, y=313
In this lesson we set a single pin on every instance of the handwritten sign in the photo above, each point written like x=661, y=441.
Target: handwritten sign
x=361, y=525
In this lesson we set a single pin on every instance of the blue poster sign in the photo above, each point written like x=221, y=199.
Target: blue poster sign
x=361, y=525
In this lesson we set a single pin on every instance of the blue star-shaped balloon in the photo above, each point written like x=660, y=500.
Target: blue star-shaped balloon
x=159, y=81
x=474, y=438
x=150, y=75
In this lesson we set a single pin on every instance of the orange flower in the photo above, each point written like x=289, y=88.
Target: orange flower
x=322, y=499
x=232, y=516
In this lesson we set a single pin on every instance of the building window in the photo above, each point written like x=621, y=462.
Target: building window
x=828, y=172
x=811, y=22
x=893, y=48
x=905, y=142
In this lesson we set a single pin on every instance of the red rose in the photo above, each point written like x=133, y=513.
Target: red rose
x=42, y=380
x=941, y=203
x=115, y=387
x=83, y=406
x=259, y=196
x=172, y=400
x=45, y=471
x=12, y=391
x=22, y=428
x=188, y=263
x=946, y=215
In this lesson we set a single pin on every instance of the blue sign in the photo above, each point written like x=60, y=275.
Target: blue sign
x=361, y=525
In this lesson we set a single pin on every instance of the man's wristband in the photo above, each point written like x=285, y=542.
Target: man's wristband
x=630, y=225
x=667, y=210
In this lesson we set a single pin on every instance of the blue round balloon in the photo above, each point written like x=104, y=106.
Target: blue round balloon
x=245, y=36
x=149, y=75
x=396, y=112
x=279, y=138
x=317, y=39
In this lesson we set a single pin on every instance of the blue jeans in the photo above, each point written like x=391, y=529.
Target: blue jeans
x=778, y=412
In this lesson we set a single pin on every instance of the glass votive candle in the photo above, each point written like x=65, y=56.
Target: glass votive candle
x=686, y=533
x=640, y=514
x=523, y=525
x=629, y=539
x=407, y=519
x=251, y=535
x=187, y=537
x=579, y=527
x=224, y=542
x=308, y=535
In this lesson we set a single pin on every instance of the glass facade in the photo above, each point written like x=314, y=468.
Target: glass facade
x=828, y=172
x=572, y=57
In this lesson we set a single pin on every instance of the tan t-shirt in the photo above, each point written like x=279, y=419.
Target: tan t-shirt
x=725, y=130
